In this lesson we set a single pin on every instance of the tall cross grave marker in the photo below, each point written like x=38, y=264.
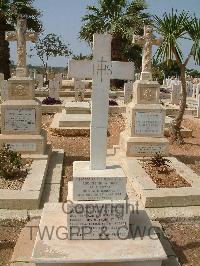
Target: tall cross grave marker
x=101, y=69
x=147, y=41
x=21, y=36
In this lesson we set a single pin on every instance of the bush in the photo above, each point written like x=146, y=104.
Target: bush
x=51, y=101
x=11, y=163
x=160, y=162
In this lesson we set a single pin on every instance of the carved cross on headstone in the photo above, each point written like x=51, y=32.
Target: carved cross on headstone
x=21, y=36
x=147, y=41
x=101, y=69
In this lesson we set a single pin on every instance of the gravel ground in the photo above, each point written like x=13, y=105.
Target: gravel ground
x=9, y=232
x=165, y=176
x=185, y=239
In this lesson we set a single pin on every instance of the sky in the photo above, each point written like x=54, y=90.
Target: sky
x=63, y=17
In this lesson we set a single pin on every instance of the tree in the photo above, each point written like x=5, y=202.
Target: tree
x=82, y=57
x=173, y=27
x=51, y=45
x=121, y=18
x=10, y=10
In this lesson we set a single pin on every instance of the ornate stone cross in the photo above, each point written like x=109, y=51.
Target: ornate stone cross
x=101, y=69
x=147, y=41
x=21, y=36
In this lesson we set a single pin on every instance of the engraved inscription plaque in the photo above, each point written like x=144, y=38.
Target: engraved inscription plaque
x=20, y=146
x=20, y=119
x=148, y=123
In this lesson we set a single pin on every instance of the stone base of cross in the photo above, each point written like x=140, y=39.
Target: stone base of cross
x=101, y=70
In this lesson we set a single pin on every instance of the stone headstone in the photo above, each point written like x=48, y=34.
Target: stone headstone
x=145, y=118
x=189, y=88
x=128, y=92
x=175, y=94
x=59, y=77
x=39, y=80
x=194, y=90
x=198, y=90
x=96, y=181
x=4, y=90
x=54, y=88
x=79, y=87
x=21, y=125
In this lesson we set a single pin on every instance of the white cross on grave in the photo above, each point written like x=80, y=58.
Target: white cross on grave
x=101, y=70
x=21, y=36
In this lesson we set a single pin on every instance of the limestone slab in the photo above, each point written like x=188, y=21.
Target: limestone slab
x=142, y=146
x=97, y=220
x=108, y=184
x=74, y=120
x=77, y=107
x=132, y=251
x=26, y=144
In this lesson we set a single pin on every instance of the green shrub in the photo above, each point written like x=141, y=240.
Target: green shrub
x=11, y=163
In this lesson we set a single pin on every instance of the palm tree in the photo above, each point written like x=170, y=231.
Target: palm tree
x=173, y=27
x=121, y=18
x=10, y=10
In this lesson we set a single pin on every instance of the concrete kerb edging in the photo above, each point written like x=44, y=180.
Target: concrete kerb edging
x=30, y=194
x=50, y=192
x=153, y=197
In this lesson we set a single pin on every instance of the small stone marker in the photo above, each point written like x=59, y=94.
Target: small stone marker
x=39, y=80
x=54, y=88
x=101, y=70
x=189, y=88
x=128, y=92
x=4, y=90
x=175, y=94
x=79, y=87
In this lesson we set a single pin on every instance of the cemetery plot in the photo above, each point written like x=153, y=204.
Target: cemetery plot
x=163, y=175
x=28, y=194
x=181, y=190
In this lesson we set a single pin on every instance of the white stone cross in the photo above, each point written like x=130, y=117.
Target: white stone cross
x=101, y=69
x=147, y=41
x=21, y=36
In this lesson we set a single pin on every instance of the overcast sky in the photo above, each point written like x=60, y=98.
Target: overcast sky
x=63, y=17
